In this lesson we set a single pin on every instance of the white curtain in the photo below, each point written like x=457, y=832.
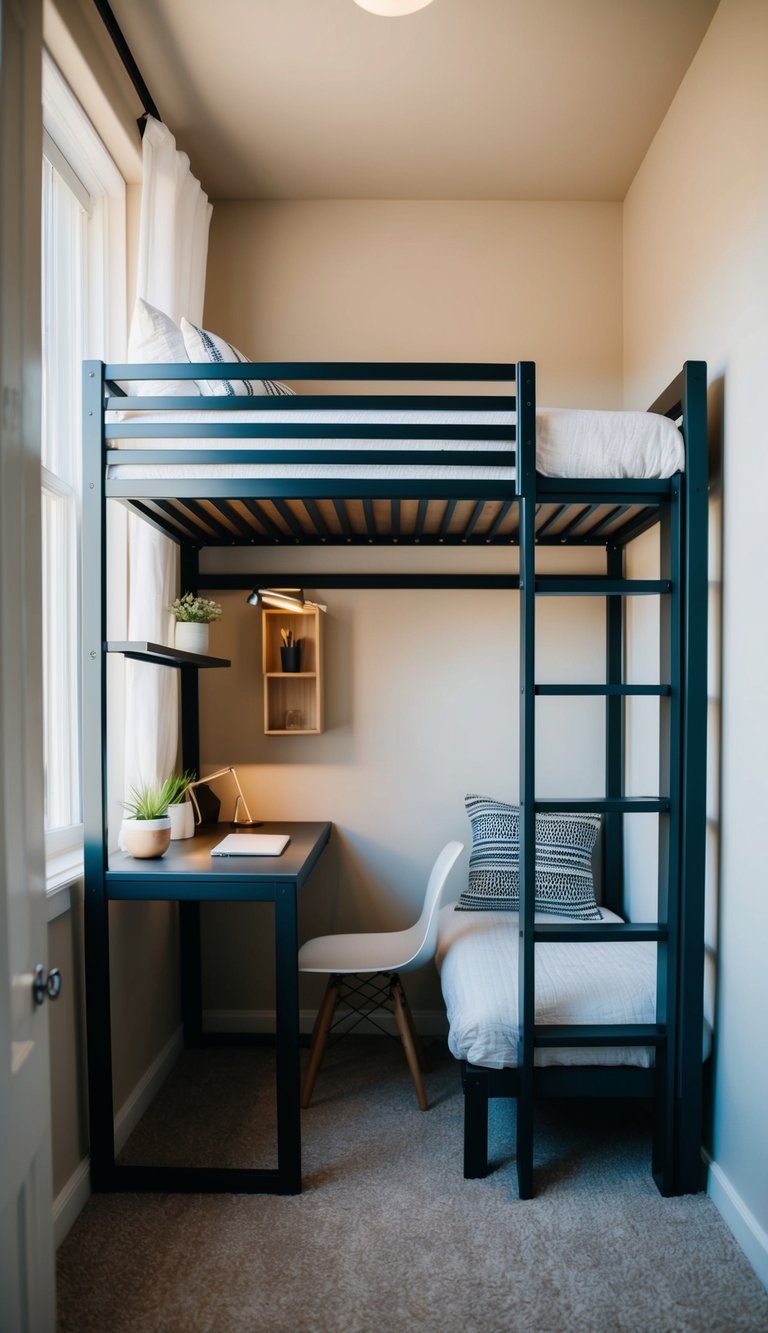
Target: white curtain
x=173, y=245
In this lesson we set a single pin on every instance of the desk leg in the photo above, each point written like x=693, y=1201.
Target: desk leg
x=190, y=976
x=98, y=1019
x=287, y=1038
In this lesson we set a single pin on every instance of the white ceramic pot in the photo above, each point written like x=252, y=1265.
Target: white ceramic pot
x=191, y=637
x=182, y=817
x=146, y=838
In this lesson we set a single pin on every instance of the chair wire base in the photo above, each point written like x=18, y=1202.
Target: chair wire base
x=365, y=996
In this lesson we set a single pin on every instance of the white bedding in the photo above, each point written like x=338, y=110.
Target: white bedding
x=570, y=443
x=575, y=983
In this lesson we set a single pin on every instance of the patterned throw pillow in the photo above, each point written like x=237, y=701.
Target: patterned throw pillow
x=564, y=844
x=204, y=346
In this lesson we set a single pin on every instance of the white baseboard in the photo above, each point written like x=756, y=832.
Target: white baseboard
x=745, y=1227
x=71, y=1200
x=429, y=1022
x=146, y=1089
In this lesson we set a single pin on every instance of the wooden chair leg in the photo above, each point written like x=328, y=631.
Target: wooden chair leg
x=319, y=1038
x=421, y=1053
x=406, y=1037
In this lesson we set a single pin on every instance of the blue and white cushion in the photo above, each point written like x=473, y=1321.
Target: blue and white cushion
x=201, y=345
x=564, y=845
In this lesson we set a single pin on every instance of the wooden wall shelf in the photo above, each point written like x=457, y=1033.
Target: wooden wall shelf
x=292, y=699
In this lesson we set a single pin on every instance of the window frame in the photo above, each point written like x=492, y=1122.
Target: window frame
x=76, y=151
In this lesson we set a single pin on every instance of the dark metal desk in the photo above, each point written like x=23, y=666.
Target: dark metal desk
x=189, y=875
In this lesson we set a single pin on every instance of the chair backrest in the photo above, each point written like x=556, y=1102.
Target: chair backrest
x=425, y=930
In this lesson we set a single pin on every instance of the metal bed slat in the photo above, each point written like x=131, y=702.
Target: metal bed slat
x=245, y=529
x=290, y=519
x=436, y=371
x=303, y=430
x=170, y=526
x=471, y=525
x=270, y=528
x=421, y=515
x=499, y=519
x=370, y=522
x=318, y=402
x=543, y=527
x=341, y=514
x=203, y=516
x=317, y=518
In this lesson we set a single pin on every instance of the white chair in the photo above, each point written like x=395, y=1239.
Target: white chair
x=365, y=972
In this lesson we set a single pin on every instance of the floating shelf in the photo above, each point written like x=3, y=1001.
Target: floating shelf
x=163, y=655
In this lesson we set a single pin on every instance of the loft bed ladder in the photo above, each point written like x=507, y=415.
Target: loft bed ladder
x=680, y=802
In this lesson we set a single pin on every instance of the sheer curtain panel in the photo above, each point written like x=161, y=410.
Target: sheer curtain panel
x=173, y=245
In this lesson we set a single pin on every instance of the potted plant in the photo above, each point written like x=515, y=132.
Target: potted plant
x=180, y=810
x=147, y=827
x=193, y=615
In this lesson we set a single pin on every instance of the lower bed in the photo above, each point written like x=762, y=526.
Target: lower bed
x=587, y=983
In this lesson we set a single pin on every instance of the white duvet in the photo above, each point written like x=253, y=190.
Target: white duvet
x=569, y=443
x=575, y=983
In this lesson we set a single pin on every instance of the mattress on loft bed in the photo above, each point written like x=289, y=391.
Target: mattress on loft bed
x=569, y=443
x=477, y=957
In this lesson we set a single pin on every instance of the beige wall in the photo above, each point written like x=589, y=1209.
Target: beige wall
x=435, y=281
x=421, y=707
x=420, y=690
x=696, y=285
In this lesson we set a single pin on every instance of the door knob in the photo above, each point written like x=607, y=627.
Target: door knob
x=46, y=986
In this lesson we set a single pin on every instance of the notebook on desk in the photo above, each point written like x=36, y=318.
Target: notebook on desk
x=251, y=844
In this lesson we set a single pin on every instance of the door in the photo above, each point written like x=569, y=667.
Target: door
x=26, y=1223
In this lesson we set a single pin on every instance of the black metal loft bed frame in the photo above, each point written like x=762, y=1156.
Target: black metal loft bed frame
x=523, y=509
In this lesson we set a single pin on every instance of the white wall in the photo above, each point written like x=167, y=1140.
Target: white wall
x=696, y=285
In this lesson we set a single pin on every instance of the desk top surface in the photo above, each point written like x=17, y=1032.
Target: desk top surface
x=190, y=859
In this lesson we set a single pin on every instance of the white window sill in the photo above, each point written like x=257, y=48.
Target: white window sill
x=61, y=872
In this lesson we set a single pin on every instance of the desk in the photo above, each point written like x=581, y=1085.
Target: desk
x=189, y=875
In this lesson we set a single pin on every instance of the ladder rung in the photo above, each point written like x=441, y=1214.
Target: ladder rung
x=607, y=805
x=586, y=931
x=583, y=585
x=607, y=690
x=598, y=1034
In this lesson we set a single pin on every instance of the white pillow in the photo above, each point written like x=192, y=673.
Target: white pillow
x=154, y=338
x=204, y=346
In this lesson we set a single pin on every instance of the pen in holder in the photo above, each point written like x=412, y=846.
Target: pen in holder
x=290, y=651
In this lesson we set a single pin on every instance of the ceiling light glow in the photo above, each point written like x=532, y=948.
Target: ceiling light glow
x=392, y=8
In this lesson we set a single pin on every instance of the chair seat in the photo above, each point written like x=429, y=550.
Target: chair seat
x=389, y=951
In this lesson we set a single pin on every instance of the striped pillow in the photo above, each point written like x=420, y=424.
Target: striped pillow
x=564, y=844
x=204, y=346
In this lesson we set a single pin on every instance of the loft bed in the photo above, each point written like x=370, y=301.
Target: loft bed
x=456, y=469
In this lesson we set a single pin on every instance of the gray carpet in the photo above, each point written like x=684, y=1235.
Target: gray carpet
x=387, y=1234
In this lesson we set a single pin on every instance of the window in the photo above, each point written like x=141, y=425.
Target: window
x=83, y=315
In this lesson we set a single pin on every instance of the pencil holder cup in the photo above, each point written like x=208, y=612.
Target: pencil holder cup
x=290, y=657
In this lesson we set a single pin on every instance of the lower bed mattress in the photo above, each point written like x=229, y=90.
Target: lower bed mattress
x=614, y=982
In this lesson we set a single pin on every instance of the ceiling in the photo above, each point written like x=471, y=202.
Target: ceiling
x=466, y=99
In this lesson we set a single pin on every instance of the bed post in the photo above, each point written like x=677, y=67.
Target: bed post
x=695, y=518
x=613, y=848
x=94, y=730
x=526, y=487
x=475, y=1083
